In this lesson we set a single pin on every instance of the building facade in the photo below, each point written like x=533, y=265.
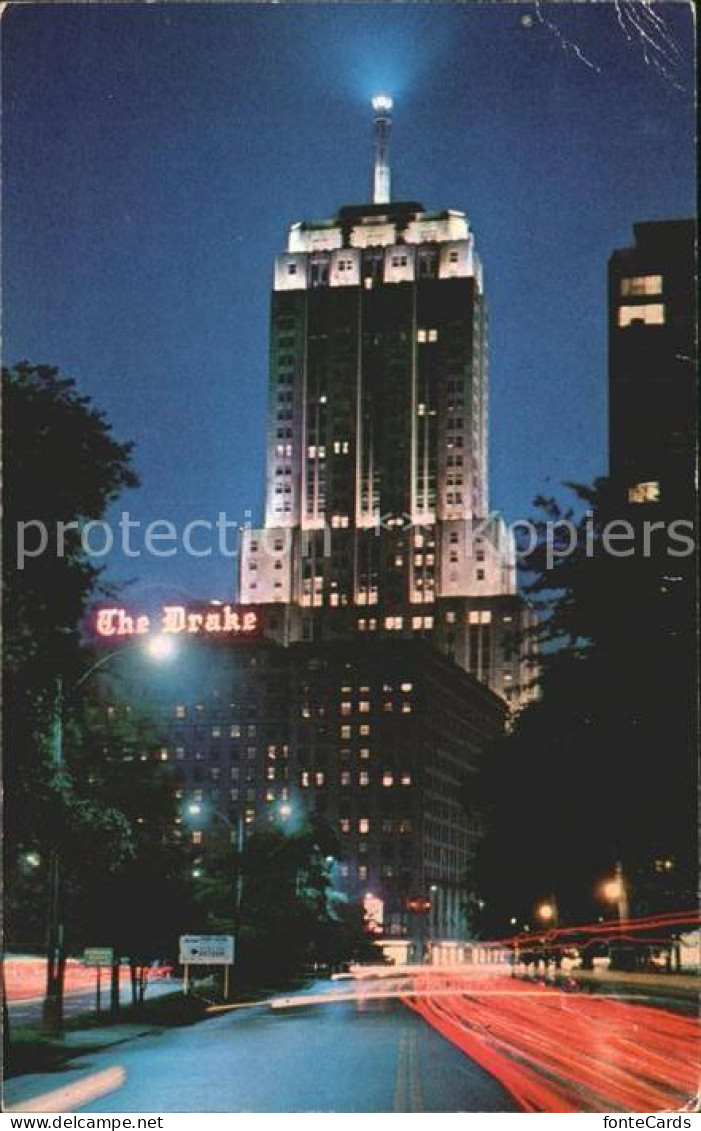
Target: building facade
x=377, y=515
x=653, y=588
x=652, y=368
x=383, y=740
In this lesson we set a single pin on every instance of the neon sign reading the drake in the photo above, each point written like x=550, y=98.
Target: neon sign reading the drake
x=224, y=620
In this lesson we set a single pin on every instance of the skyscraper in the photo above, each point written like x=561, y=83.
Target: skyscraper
x=377, y=512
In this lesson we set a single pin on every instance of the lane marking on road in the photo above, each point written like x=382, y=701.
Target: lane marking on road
x=408, y=1093
x=74, y=1096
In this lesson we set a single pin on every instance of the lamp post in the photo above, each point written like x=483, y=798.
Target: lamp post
x=237, y=831
x=158, y=648
x=547, y=912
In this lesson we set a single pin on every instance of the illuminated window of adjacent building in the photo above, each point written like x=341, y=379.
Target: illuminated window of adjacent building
x=363, y=778
x=305, y=779
x=364, y=729
x=406, y=708
x=346, y=708
x=345, y=731
x=644, y=493
x=180, y=711
x=387, y=779
x=197, y=837
x=364, y=706
x=362, y=871
x=344, y=825
x=319, y=777
x=649, y=313
x=641, y=285
x=364, y=753
x=363, y=825
x=345, y=777
x=406, y=779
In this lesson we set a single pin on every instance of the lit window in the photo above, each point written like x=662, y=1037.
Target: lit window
x=387, y=780
x=197, y=837
x=485, y=617
x=344, y=824
x=649, y=313
x=406, y=686
x=421, y=335
x=364, y=729
x=363, y=778
x=345, y=777
x=406, y=708
x=319, y=777
x=364, y=753
x=642, y=285
x=363, y=825
x=362, y=871
x=346, y=708
x=433, y=335
x=406, y=779
x=644, y=493
x=364, y=706
x=216, y=732
x=305, y=778
x=345, y=732
x=180, y=711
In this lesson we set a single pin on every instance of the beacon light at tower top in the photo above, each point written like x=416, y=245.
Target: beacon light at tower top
x=382, y=103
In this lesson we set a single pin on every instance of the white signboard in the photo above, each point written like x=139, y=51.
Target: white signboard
x=206, y=950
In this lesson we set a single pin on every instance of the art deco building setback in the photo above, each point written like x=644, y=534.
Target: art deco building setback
x=377, y=513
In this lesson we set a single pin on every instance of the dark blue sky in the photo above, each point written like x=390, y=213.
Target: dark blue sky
x=154, y=156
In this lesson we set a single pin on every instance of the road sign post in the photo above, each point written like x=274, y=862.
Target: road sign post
x=206, y=950
x=98, y=956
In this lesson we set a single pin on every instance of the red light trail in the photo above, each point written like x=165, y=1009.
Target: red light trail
x=559, y=1052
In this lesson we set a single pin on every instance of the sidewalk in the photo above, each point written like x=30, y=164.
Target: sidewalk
x=22, y=1089
x=668, y=985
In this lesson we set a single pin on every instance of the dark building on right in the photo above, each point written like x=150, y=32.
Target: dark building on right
x=652, y=368
x=653, y=589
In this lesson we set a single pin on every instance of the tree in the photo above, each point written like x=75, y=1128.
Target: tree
x=63, y=468
x=599, y=770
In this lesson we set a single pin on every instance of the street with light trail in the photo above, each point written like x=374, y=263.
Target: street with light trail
x=414, y=1039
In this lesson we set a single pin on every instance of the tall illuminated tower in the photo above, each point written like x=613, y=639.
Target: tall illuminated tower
x=376, y=515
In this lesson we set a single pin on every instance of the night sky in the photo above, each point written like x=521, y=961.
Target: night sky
x=154, y=157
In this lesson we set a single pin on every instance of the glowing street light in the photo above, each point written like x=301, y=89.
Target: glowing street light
x=546, y=912
x=612, y=890
x=160, y=647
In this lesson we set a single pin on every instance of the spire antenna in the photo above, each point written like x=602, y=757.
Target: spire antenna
x=382, y=125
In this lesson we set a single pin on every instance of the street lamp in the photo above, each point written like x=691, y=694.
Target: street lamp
x=615, y=891
x=52, y=1010
x=194, y=809
x=547, y=912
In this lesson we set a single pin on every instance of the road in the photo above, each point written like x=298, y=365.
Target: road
x=425, y=1040
x=373, y=1057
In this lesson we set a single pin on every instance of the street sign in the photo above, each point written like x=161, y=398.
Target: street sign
x=206, y=950
x=98, y=956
